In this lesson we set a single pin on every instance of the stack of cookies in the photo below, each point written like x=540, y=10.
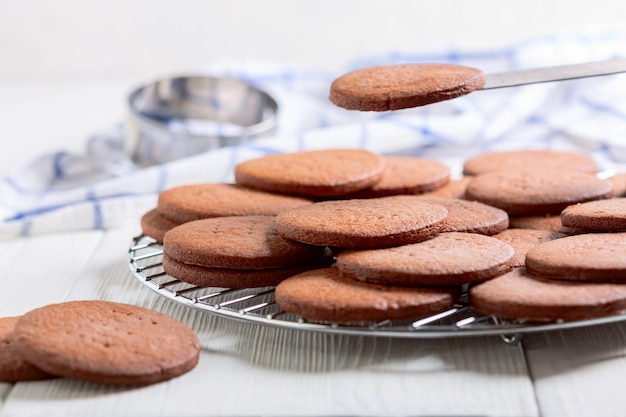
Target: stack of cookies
x=346, y=235
x=567, y=230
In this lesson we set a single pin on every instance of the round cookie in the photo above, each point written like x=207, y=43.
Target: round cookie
x=365, y=223
x=154, y=224
x=446, y=259
x=595, y=257
x=326, y=295
x=236, y=278
x=530, y=159
x=539, y=222
x=13, y=366
x=406, y=175
x=522, y=240
x=472, y=216
x=532, y=192
x=454, y=189
x=601, y=215
x=395, y=87
x=520, y=295
x=546, y=222
x=324, y=173
x=186, y=203
x=106, y=342
x=242, y=242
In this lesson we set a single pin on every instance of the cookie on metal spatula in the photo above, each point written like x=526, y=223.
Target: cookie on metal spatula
x=395, y=87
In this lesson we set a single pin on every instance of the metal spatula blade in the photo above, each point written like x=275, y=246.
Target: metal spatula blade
x=558, y=73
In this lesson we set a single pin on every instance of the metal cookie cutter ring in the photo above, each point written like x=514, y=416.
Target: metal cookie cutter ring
x=182, y=116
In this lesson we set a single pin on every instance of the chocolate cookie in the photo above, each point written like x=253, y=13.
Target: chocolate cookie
x=402, y=86
x=454, y=189
x=520, y=295
x=406, y=175
x=326, y=295
x=154, y=224
x=242, y=242
x=595, y=257
x=445, y=260
x=106, y=342
x=472, y=216
x=237, y=278
x=13, y=366
x=601, y=215
x=324, y=173
x=522, y=240
x=366, y=223
x=551, y=222
x=533, y=192
x=530, y=159
x=200, y=201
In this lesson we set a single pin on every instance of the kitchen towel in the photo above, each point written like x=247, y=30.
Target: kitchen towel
x=102, y=188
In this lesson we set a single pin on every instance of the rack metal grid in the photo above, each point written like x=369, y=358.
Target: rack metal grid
x=257, y=305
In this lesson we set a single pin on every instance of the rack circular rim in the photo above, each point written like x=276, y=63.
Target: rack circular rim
x=459, y=321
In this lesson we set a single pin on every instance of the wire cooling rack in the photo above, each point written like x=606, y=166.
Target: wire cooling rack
x=257, y=305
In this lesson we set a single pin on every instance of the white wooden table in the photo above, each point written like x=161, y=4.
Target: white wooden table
x=249, y=369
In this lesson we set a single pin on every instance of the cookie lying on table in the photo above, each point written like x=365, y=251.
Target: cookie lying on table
x=105, y=342
x=13, y=365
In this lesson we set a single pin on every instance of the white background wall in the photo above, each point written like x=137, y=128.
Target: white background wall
x=67, y=65
x=120, y=37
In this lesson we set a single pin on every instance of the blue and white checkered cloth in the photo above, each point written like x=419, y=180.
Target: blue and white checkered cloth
x=102, y=188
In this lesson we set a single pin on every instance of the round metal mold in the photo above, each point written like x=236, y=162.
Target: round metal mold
x=181, y=116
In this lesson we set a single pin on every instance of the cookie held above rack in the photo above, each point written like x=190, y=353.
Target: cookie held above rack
x=401, y=86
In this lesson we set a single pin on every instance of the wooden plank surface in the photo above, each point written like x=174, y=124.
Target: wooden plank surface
x=579, y=373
